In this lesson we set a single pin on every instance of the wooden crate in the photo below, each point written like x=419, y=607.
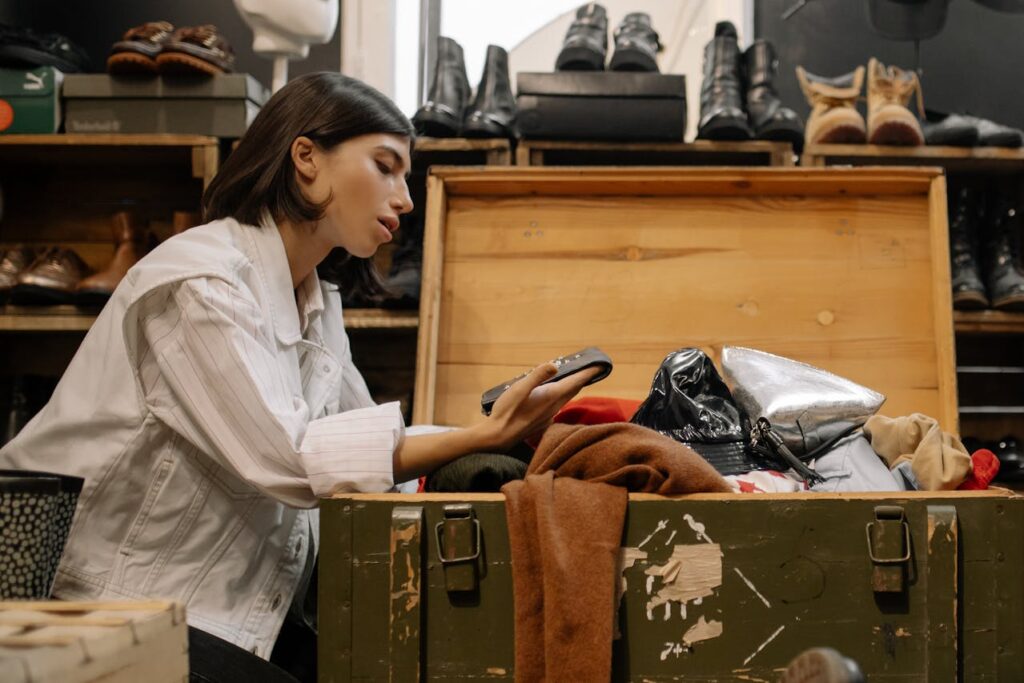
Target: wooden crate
x=696, y=153
x=844, y=269
x=85, y=642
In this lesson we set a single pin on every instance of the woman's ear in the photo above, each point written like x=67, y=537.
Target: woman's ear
x=305, y=158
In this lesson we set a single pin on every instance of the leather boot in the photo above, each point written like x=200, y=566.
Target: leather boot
x=722, y=116
x=965, y=218
x=129, y=247
x=769, y=119
x=586, y=42
x=834, y=118
x=636, y=44
x=183, y=220
x=493, y=112
x=1004, y=276
x=442, y=115
x=889, y=92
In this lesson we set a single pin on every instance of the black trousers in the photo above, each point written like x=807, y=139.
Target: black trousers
x=213, y=660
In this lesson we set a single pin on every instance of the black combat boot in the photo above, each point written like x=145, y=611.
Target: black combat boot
x=443, y=112
x=965, y=220
x=493, y=112
x=769, y=119
x=1004, y=276
x=722, y=116
x=636, y=44
x=586, y=41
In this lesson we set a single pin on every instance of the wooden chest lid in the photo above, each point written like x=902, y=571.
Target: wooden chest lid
x=845, y=269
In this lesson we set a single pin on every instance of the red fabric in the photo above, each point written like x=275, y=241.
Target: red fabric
x=984, y=468
x=423, y=485
x=597, y=410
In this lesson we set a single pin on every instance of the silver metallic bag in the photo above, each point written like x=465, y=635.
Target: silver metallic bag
x=806, y=406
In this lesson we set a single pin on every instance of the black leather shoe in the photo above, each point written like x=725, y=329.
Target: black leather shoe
x=636, y=44
x=493, y=112
x=22, y=47
x=586, y=42
x=443, y=112
x=769, y=119
x=992, y=134
x=949, y=129
x=1004, y=276
x=1011, y=460
x=965, y=221
x=722, y=116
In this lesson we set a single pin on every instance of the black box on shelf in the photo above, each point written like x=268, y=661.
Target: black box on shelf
x=602, y=105
x=222, y=106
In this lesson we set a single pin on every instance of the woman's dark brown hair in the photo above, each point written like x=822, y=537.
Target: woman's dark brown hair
x=328, y=108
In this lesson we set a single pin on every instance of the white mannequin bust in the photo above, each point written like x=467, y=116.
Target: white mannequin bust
x=284, y=29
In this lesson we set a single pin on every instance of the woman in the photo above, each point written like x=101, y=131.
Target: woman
x=215, y=399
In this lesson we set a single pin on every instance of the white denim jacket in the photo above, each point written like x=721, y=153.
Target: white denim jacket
x=207, y=407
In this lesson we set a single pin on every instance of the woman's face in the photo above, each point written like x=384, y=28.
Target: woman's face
x=366, y=180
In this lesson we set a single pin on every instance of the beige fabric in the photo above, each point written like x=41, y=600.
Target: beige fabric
x=939, y=460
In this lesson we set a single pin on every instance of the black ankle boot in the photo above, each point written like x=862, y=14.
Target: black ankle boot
x=442, y=115
x=636, y=44
x=405, y=274
x=721, y=101
x=586, y=41
x=965, y=219
x=493, y=113
x=1004, y=276
x=769, y=119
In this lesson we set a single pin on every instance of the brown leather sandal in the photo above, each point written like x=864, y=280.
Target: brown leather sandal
x=137, y=50
x=196, y=50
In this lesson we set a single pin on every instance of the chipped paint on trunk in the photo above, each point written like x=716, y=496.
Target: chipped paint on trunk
x=661, y=527
x=691, y=573
x=698, y=528
x=702, y=630
x=750, y=584
x=763, y=645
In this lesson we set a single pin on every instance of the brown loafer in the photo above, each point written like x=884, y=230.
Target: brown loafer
x=51, y=279
x=196, y=50
x=130, y=244
x=137, y=50
x=12, y=262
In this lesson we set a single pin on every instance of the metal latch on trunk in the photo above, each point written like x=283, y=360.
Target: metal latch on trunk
x=458, y=547
x=889, y=549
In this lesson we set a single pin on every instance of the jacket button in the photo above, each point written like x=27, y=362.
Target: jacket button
x=276, y=602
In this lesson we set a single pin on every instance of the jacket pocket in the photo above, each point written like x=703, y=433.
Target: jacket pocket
x=156, y=485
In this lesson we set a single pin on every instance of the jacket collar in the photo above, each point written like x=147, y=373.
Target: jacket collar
x=269, y=257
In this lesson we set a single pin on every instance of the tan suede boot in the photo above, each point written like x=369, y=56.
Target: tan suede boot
x=834, y=117
x=129, y=246
x=183, y=220
x=889, y=92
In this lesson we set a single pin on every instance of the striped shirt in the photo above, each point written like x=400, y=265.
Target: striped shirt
x=209, y=406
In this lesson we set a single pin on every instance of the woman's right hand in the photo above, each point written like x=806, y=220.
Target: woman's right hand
x=529, y=405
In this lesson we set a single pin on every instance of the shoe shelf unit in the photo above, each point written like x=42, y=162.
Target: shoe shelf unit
x=696, y=153
x=988, y=322
x=462, y=151
x=953, y=159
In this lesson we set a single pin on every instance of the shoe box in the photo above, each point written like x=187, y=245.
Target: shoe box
x=30, y=100
x=222, y=106
x=602, y=105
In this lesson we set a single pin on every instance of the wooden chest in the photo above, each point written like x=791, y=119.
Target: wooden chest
x=844, y=269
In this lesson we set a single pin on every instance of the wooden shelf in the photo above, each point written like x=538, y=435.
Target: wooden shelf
x=74, y=319
x=696, y=153
x=954, y=159
x=988, y=322
x=462, y=151
x=108, y=140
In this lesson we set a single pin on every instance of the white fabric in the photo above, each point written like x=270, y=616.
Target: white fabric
x=206, y=406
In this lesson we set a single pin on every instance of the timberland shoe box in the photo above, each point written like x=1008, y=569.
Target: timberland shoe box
x=222, y=106
x=582, y=105
x=29, y=101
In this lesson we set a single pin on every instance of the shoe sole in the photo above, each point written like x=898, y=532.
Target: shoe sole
x=179, y=63
x=485, y=129
x=579, y=59
x=818, y=665
x=726, y=129
x=131, y=63
x=896, y=132
x=43, y=296
x=434, y=124
x=632, y=60
x=1013, y=303
x=970, y=301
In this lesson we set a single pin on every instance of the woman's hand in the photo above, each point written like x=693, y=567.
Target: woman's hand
x=523, y=410
x=529, y=405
